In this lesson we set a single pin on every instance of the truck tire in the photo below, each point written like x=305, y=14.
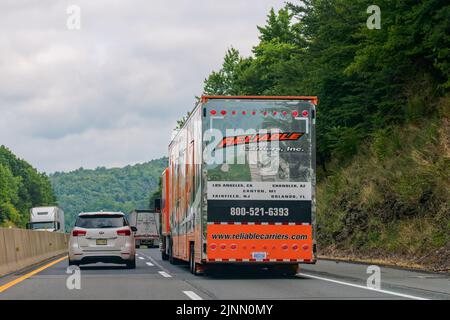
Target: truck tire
x=287, y=270
x=164, y=256
x=192, y=263
x=171, y=257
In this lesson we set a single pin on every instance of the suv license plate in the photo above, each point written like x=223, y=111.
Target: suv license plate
x=101, y=242
x=259, y=255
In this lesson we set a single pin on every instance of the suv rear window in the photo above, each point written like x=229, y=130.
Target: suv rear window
x=101, y=222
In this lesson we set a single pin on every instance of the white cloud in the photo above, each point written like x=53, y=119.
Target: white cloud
x=110, y=93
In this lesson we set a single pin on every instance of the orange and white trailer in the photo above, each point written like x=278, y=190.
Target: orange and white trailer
x=240, y=185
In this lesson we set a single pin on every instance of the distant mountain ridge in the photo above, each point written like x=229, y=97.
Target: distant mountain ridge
x=115, y=189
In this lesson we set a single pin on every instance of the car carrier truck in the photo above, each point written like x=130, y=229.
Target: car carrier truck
x=240, y=185
x=145, y=222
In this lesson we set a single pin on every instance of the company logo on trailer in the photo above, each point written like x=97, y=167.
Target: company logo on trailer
x=255, y=138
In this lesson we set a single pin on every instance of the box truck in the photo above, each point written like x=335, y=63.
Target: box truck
x=240, y=185
x=47, y=219
x=145, y=222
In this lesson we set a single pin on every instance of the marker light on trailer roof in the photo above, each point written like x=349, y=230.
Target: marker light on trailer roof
x=244, y=113
x=213, y=112
x=253, y=112
x=284, y=113
x=294, y=113
x=265, y=113
x=305, y=113
x=223, y=112
x=274, y=113
x=233, y=113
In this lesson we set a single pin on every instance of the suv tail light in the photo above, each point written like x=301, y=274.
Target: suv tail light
x=77, y=233
x=124, y=232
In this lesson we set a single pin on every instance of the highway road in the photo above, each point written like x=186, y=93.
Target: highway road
x=157, y=279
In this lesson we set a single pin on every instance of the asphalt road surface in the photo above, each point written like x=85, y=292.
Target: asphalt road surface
x=157, y=279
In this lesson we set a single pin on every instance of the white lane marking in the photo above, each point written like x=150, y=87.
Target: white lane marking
x=141, y=258
x=150, y=264
x=192, y=295
x=164, y=274
x=156, y=263
x=363, y=287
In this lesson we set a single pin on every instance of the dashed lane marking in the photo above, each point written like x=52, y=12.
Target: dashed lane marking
x=150, y=264
x=164, y=274
x=192, y=295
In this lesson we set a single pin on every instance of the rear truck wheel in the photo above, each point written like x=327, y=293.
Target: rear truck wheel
x=288, y=270
x=193, y=266
x=171, y=257
x=164, y=256
x=131, y=264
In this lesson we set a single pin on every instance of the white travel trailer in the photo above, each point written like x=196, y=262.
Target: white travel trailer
x=46, y=219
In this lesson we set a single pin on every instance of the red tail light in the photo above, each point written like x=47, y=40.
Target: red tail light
x=213, y=112
x=284, y=247
x=213, y=246
x=295, y=247
x=305, y=247
x=223, y=112
x=305, y=113
x=295, y=114
x=124, y=232
x=233, y=247
x=223, y=246
x=77, y=233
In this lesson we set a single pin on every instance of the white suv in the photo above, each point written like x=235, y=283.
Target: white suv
x=102, y=237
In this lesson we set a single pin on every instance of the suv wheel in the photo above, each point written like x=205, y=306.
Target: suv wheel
x=131, y=264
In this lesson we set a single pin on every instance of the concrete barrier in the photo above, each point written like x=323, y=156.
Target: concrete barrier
x=20, y=248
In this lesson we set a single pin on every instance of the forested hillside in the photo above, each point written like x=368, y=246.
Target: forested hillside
x=383, y=119
x=21, y=188
x=118, y=189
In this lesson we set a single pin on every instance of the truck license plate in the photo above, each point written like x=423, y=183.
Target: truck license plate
x=101, y=242
x=259, y=255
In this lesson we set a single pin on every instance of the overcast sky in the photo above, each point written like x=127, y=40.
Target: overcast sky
x=110, y=93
